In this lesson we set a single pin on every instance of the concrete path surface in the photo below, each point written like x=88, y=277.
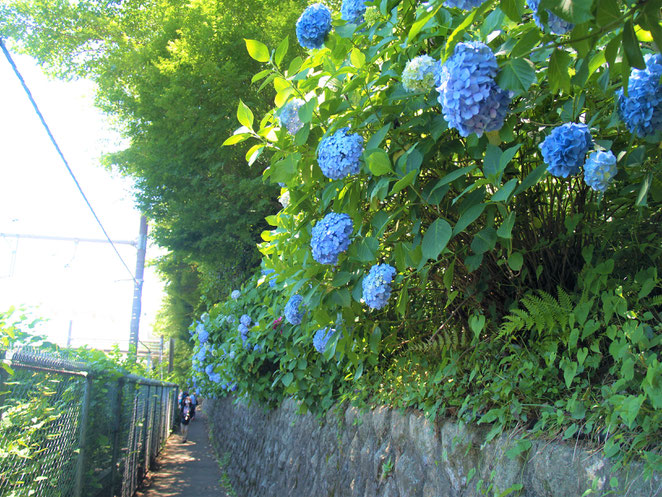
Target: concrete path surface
x=186, y=469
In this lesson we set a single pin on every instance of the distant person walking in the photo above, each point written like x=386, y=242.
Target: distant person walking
x=194, y=404
x=186, y=412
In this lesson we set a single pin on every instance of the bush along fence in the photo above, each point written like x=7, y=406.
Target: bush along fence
x=67, y=430
x=471, y=199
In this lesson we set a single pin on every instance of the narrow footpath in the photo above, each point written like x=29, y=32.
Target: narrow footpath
x=186, y=468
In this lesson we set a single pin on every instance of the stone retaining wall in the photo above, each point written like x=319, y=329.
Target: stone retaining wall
x=388, y=453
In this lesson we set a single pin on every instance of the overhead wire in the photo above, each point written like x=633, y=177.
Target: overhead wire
x=59, y=151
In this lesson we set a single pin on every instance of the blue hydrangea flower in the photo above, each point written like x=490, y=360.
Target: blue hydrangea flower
x=464, y=4
x=353, y=10
x=272, y=279
x=564, y=150
x=338, y=155
x=421, y=74
x=331, y=237
x=556, y=25
x=289, y=116
x=471, y=100
x=641, y=110
x=313, y=26
x=599, y=170
x=243, y=332
x=377, y=285
x=321, y=338
x=235, y=294
x=245, y=320
x=203, y=335
x=293, y=310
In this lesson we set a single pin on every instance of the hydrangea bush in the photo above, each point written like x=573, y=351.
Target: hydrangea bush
x=460, y=185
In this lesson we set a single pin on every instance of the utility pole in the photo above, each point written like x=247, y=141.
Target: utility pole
x=138, y=289
x=69, y=334
x=171, y=355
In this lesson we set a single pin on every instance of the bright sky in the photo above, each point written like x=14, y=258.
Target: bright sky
x=64, y=281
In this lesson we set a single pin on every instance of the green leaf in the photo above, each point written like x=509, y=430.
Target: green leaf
x=378, y=162
x=484, y=240
x=643, y=191
x=517, y=75
x=306, y=110
x=458, y=173
x=244, y=115
x=234, y=139
x=569, y=371
x=404, y=182
x=281, y=50
x=558, y=75
x=367, y=249
x=257, y=50
x=526, y=41
x=506, y=227
x=376, y=140
x=436, y=238
x=505, y=191
x=456, y=36
x=287, y=379
x=357, y=58
x=260, y=75
x=468, y=217
x=341, y=279
x=531, y=178
x=607, y=12
x=520, y=447
x=513, y=9
x=574, y=11
x=515, y=261
x=631, y=46
x=420, y=24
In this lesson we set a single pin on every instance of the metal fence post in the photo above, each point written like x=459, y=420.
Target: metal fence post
x=117, y=429
x=80, y=466
x=146, y=429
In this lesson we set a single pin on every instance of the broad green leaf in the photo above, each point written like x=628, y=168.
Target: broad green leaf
x=281, y=51
x=420, y=24
x=517, y=75
x=257, y=50
x=306, y=110
x=234, y=139
x=607, y=12
x=260, y=75
x=531, y=178
x=526, y=41
x=468, y=217
x=357, y=58
x=505, y=191
x=436, y=238
x=506, y=228
x=244, y=115
x=643, y=191
x=287, y=379
x=515, y=261
x=513, y=9
x=631, y=46
x=569, y=371
x=558, y=75
x=367, y=249
x=341, y=279
x=574, y=11
x=404, y=182
x=520, y=447
x=376, y=140
x=378, y=162
x=484, y=240
x=450, y=177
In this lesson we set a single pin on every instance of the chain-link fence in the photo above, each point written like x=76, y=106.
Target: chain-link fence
x=66, y=431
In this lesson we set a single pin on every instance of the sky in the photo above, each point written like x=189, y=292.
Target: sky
x=65, y=282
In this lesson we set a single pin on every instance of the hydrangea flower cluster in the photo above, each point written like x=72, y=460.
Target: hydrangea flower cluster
x=599, y=170
x=371, y=15
x=464, y=4
x=353, y=10
x=272, y=279
x=338, y=155
x=641, y=110
x=313, y=26
x=556, y=25
x=331, y=237
x=421, y=74
x=289, y=116
x=235, y=294
x=471, y=100
x=321, y=338
x=377, y=285
x=203, y=334
x=293, y=310
x=244, y=322
x=564, y=150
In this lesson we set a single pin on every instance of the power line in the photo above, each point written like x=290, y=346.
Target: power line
x=64, y=160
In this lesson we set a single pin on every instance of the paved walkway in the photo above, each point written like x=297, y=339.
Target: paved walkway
x=186, y=469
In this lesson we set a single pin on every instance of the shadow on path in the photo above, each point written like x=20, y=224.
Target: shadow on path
x=186, y=469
